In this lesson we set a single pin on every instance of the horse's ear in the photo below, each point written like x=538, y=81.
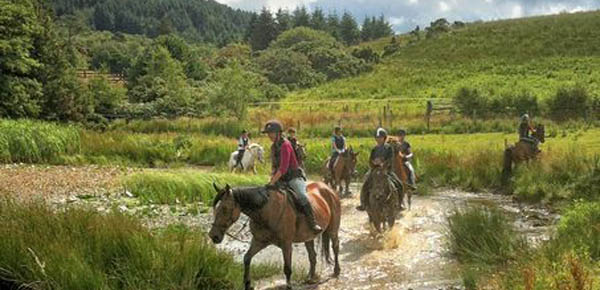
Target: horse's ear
x=227, y=188
x=356, y=153
x=216, y=187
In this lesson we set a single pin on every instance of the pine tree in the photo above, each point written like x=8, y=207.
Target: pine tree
x=263, y=30
x=301, y=17
x=368, y=29
x=333, y=25
x=382, y=27
x=349, y=32
x=317, y=21
x=284, y=20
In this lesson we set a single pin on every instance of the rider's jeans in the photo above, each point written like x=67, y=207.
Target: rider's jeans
x=299, y=186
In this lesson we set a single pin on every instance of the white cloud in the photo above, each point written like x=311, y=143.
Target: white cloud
x=396, y=21
x=517, y=11
x=444, y=6
x=413, y=1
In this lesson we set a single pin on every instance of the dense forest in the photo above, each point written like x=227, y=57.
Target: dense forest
x=168, y=74
x=206, y=21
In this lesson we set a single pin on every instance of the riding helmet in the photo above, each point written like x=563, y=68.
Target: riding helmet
x=401, y=132
x=381, y=133
x=337, y=128
x=273, y=126
x=292, y=130
x=244, y=131
x=525, y=117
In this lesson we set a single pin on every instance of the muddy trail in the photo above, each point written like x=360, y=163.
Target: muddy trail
x=410, y=256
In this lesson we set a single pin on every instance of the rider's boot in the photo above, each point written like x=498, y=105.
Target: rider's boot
x=310, y=218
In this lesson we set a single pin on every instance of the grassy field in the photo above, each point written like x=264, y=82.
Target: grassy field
x=82, y=249
x=494, y=256
x=537, y=55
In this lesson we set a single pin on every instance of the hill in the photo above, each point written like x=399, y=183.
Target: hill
x=201, y=20
x=535, y=55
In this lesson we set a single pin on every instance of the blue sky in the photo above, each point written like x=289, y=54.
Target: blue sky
x=406, y=14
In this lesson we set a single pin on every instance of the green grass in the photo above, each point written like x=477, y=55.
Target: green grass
x=480, y=235
x=36, y=142
x=538, y=55
x=184, y=186
x=81, y=249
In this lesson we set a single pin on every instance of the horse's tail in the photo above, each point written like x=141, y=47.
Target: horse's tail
x=507, y=167
x=325, y=249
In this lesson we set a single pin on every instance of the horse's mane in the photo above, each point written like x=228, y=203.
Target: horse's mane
x=254, y=145
x=251, y=198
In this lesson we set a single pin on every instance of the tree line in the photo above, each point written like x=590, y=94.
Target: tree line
x=266, y=26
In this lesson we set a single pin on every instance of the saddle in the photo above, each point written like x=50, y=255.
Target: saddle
x=290, y=194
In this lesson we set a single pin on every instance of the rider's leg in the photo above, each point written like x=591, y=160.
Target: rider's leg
x=398, y=186
x=333, y=160
x=412, y=178
x=299, y=186
x=240, y=156
x=364, y=193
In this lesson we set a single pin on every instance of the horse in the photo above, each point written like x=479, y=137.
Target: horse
x=275, y=221
x=344, y=170
x=254, y=152
x=383, y=202
x=521, y=151
x=401, y=171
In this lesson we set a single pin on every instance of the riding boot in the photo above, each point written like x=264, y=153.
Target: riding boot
x=310, y=218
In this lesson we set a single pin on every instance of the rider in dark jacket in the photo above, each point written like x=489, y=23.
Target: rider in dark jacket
x=338, y=146
x=381, y=152
x=406, y=150
x=286, y=169
x=295, y=144
x=526, y=131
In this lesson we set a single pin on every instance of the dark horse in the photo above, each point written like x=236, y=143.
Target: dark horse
x=521, y=151
x=383, y=205
x=274, y=221
x=344, y=170
x=401, y=171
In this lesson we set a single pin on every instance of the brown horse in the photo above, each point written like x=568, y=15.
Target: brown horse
x=274, y=221
x=521, y=151
x=343, y=171
x=401, y=171
x=383, y=201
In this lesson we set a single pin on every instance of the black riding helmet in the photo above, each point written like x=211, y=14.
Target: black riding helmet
x=292, y=130
x=273, y=126
x=244, y=131
x=337, y=129
x=401, y=132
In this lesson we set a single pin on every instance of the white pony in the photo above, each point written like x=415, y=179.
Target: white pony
x=253, y=152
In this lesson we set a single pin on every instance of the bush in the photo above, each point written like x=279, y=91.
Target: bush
x=298, y=35
x=579, y=228
x=367, y=54
x=470, y=102
x=482, y=235
x=81, y=249
x=289, y=68
x=569, y=103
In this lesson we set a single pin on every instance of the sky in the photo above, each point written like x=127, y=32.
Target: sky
x=404, y=15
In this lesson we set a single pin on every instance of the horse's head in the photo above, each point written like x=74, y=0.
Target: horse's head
x=540, y=133
x=351, y=159
x=226, y=212
x=380, y=186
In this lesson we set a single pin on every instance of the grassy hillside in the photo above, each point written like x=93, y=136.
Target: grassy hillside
x=535, y=55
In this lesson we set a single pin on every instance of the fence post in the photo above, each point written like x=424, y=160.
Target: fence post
x=428, y=112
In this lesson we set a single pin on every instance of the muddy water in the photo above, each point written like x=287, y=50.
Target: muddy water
x=410, y=256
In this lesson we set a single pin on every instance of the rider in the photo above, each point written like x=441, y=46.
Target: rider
x=405, y=149
x=524, y=132
x=243, y=144
x=384, y=152
x=286, y=169
x=292, y=137
x=338, y=146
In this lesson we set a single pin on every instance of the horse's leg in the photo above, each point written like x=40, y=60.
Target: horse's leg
x=255, y=247
x=348, y=186
x=312, y=258
x=336, y=251
x=287, y=263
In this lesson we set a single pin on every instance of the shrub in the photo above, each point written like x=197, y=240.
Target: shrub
x=470, y=102
x=579, y=228
x=482, y=235
x=298, y=35
x=569, y=103
x=289, y=68
x=367, y=54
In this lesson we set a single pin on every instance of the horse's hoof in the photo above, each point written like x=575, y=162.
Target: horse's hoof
x=336, y=272
x=288, y=287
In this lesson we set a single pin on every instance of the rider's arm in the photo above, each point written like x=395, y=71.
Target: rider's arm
x=409, y=155
x=338, y=150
